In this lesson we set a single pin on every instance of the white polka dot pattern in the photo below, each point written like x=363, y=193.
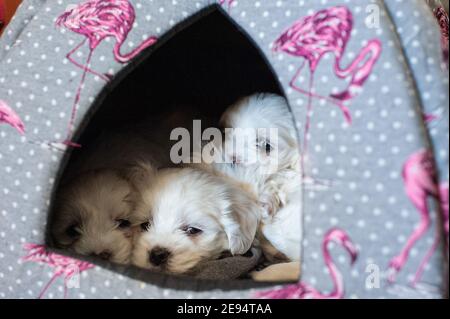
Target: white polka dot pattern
x=355, y=168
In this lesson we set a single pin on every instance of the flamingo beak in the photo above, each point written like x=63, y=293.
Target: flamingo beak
x=70, y=7
x=354, y=257
x=350, y=247
x=20, y=127
x=275, y=46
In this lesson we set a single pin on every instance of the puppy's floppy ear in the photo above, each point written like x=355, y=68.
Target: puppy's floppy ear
x=65, y=223
x=241, y=221
x=142, y=176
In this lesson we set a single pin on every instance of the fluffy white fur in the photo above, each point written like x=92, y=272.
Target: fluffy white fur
x=247, y=117
x=94, y=211
x=280, y=196
x=250, y=178
x=278, y=186
x=283, y=229
x=95, y=215
x=181, y=199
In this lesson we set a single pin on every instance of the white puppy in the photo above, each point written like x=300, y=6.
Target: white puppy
x=262, y=133
x=268, y=162
x=194, y=216
x=95, y=215
x=95, y=203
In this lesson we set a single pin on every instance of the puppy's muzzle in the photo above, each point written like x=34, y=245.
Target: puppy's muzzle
x=158, y=256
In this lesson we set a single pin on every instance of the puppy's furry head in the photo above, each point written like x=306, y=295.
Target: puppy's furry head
x=95, y=215
x=251, y=141
x=195, y=217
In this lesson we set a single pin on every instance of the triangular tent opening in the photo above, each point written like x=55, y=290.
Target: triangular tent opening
x=206, y=62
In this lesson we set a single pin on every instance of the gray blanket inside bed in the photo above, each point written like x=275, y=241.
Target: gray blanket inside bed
x=229, y=267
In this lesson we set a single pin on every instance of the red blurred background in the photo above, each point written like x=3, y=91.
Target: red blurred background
x=7, y=9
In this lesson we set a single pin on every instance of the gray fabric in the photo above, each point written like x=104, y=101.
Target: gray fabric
x=26, y=11
x=363, y=161
x=428, y=77
x=437, y=3
x=228, y=268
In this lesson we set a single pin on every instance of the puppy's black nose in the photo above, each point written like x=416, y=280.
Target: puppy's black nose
x=159, y=256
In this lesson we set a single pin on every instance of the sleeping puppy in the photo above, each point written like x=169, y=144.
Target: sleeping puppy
x=95, y=215
x=95, y=204
x=194, y=216
x=262, y=133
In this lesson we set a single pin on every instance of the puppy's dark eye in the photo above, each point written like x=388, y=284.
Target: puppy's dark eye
x=123, y=223
x=268, y=148
x=73, y=231
x=145, y=226
x=264, y=145
x=192, y=231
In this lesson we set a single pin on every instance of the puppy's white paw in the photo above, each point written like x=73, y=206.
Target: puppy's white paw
x=239, y=245
x=271, y=203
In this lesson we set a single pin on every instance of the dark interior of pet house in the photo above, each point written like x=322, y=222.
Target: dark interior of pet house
x=194, y=72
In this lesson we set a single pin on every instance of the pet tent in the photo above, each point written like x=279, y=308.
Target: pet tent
x=367, y=87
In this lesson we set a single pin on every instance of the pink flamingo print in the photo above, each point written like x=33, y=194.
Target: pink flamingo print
x=8, y=116
x=230, y=3
x=444, y=194
x=326, y=31
x=305, y=291
x=420, y=178
x=63, y=266
x=428, y=118
x=442, y=17
x=97, y=20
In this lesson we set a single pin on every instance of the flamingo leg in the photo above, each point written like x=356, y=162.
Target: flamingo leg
x=340, y=105
x=426, y=259
x=41, y=294
x=398, y=262
x=308, y=119
x=310, y=96
x=68, y=140
x=308, y=111
x=65, y=288
x=84, y=67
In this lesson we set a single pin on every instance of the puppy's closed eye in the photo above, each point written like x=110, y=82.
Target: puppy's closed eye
x=145, y=226
x=73, y=231
x=123, y=223
x=191, y=231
